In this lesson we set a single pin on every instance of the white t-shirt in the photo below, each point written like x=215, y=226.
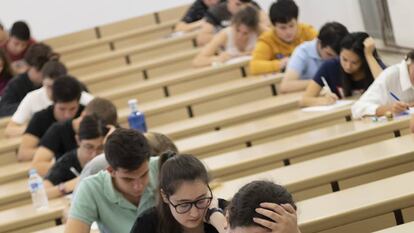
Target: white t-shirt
x=37, y=100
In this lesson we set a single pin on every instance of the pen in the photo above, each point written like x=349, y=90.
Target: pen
x=74, y=171
x=325, y=83
x=394, y=96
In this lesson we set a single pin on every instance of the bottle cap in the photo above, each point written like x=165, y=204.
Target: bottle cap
x=32, y=171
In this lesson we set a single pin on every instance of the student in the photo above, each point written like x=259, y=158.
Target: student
x=193, y=17
x=17, y=44
x=262, y=206
x=158, y=143
x=186, y=203
x=114, y=198
x=3, y=35
x=398, y=80
x=309, y=56
x=62, y=177
x=37, y=55
x=274, y=47
x=234, y=41
x=60, y=137
x=66, y=92
x=219, y=17
x=349, y=75
x=39, y=99
x=5, y=71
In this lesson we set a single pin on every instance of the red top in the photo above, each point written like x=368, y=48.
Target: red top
x=14, y=57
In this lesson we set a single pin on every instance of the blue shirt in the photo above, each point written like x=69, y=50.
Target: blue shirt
x=305, y=60
x=332, y=72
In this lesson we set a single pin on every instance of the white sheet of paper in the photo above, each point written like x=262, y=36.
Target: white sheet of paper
x=238, y=60
x=338, y=104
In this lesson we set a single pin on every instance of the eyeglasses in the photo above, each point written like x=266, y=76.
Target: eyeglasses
x=201, y=203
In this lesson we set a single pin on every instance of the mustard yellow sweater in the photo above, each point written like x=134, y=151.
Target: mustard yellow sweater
x=270, y=49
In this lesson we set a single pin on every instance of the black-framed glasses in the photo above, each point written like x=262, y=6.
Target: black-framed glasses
x=201, y=203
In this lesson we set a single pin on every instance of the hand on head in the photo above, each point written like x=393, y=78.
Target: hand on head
x=283, y=216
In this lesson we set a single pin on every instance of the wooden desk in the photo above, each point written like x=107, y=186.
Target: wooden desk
x=361, y=202
x=26, y=219
x=14, y=194
x=59, y=229
x=331, y=170
x=230, y=116
x=279, y=124
x=8, y=150
x=300, y=147
x=404, y=228
x=138, y=53
x=14, y=171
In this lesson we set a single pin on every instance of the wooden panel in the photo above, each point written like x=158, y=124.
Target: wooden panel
x=161, y=51
x=147, y=96
x=377, y=175
x=116, y=81
x=98, y=67
x=142, y=38
x=72, y=38
x=228, y=101
x=85, y=52
x=312, y=192
x=170, y=68
x=202, y=82
x=35, y=227
x=166, y=117
x=126, y=25
x=408, y=214
x=365, y=226
x=223, y=150
x=8, y=158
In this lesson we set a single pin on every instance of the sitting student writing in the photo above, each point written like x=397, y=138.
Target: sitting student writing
x=309, y=56
x=60, y=137
x=5, y=71
x=349, y=75
x=186, y=203
x=17, y=44
x=274, y=47
x=39, y=99
x=392, y=91
x=192, y=19
x=62, y=177
x=36, y=57
x=66, y=92
x=262, y=206
x=237, y=40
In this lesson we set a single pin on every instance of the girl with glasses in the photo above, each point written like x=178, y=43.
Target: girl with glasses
x=186, y=203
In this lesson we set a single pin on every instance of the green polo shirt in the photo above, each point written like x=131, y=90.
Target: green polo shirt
x=97, y=200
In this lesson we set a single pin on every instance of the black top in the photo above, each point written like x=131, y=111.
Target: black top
x=196, y=12
x=14, y=92
x=42, y=120
x=60, y=138
x=60, y=172
x=148, y=222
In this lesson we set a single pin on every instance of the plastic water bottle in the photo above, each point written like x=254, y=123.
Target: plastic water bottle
x=37, y=190
x=136, y=119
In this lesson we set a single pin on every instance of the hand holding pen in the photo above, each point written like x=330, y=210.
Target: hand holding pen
x=328, y=96
x=398, y=106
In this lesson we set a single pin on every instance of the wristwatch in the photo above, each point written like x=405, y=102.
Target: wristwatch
x=61, y=188
x=211, y=211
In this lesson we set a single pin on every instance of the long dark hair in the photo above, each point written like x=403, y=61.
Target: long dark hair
x=176, y=170
x=6, y=73
x=355, y=43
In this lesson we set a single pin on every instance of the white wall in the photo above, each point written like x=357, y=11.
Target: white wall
x=50, y=18
x=400, y=12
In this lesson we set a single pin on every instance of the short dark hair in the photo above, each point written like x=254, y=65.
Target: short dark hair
x=66, y=89
x=91, y=127
x=249, y=16
x=126, y=149
x=242, y=208
x=331, y=34
x=20, y=30
x=410, y=55
x=38, y=54
x=283, y=11
x=54, y=69
x=104, y=109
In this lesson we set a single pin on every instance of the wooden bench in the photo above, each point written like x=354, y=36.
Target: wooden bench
x=8, y=150
x=278, y=151
x=230, y=116
x=26, y=219
x=205, y=100
x=135, y=73
x=14, y=171
x=59, y=229
x=404, y=228
x=117, y=41
x=364, y=208
x=237, y=136
x=131, y=55
x=336, y=171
